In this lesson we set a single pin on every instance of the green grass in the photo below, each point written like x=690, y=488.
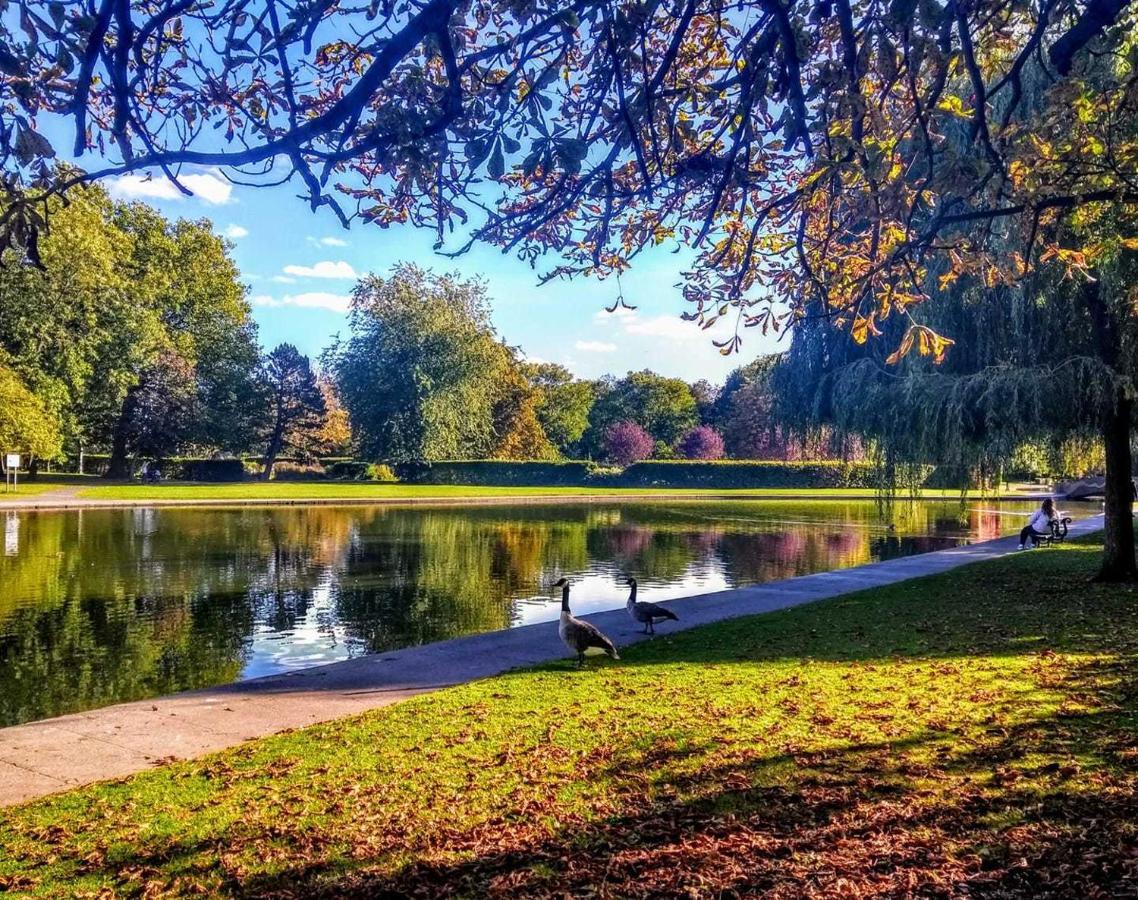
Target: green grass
x=967, y=733
x=318, y=490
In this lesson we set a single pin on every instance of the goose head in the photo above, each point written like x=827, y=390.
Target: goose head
x=563, y=583
x=631, y=582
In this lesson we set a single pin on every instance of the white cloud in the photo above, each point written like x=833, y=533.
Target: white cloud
x=671, y=327
x=236, y=231
x=338, y=303
x=595, y=346
x=323, y=269
x=283, y=279
x=333, y=242
x=209, y=187
x=668, y=327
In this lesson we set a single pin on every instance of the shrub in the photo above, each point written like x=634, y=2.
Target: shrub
x=291, y=471
x=380, y=472
x=626, y=443
x=703, y=442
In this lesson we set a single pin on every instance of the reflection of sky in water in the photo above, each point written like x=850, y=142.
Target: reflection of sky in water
x=101, y=606
x=316, y=638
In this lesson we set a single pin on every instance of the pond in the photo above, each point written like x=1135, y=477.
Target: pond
x=102, y=606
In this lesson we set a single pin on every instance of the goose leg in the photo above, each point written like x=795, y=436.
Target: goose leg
x=580, y=659
x=651, y=626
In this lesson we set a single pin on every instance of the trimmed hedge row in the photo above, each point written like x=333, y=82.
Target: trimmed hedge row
x=749, y=474
x=662, y=473
x=493, y=472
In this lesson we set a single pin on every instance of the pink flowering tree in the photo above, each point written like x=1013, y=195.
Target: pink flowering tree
x=626, y=443
x=703, y=442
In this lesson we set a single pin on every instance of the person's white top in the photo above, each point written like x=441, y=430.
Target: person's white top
x=1040, y=522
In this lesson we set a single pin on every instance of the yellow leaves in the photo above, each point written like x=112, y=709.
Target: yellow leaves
x=950, y=103
x=863, y=327
x=1130, y=243
x=927, y=343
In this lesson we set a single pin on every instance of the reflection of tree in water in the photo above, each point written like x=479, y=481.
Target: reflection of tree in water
x=109, y=605
x=99, y=607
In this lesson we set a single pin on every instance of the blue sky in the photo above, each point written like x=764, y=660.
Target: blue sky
x=300, y=267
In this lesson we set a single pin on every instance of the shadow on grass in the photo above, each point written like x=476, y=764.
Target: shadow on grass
x=860, y=821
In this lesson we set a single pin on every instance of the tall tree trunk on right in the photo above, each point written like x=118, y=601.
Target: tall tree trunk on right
x=1118, y=540
x=1118, y=560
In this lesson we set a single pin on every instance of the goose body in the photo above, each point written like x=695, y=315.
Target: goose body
x=579, y=636
x=647, y=614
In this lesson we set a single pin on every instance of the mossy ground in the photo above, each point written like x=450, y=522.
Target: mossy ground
x=972, y=733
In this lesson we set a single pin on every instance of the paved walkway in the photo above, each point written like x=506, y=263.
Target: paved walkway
x=56, y=754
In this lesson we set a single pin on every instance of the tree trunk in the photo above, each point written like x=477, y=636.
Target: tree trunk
x=276, y=441
x=1118, y=563
x=119, y=464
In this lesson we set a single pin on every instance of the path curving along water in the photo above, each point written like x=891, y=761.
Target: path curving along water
x=58, y=754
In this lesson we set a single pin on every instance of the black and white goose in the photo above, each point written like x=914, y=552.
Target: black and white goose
x=648, y=614
x=580, y=636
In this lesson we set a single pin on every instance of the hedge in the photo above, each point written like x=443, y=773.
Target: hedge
x=658, y=473
x=749, y=474
x=493, y=472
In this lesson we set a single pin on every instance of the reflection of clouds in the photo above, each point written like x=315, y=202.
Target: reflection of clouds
x=108, y=605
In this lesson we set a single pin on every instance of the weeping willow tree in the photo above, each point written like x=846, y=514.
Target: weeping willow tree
x=1049, y=359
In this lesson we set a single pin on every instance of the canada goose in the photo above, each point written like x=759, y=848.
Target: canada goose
x=580, y=636
x=647, y=613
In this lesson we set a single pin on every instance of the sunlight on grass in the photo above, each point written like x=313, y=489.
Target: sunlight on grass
x=317, y=490
x=894, y=740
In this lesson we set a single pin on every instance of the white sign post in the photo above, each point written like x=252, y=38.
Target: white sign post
x=11, y=468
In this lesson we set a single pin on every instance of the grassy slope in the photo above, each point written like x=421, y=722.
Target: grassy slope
x=292, y=490
x=975, y=727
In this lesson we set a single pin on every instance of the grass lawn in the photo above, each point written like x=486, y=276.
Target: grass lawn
x=323, y=490
x=967, y=734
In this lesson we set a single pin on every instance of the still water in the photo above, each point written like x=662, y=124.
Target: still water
x=102, y=606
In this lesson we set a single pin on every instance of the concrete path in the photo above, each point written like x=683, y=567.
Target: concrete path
x=56, y=754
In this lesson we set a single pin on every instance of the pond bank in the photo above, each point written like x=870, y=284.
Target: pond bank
x=56, y=754
x=75, y=497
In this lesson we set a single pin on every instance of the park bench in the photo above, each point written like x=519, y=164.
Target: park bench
x=1056, y=534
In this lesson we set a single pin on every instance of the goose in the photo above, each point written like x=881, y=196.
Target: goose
x=647, y=613
x=579, y=636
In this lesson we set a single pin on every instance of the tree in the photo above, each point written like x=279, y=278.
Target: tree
x=563, y=404
x=335, y=435
x=773, y=145
x=158, y=413
x=626, y=443
x=703, y=442
x=517, y=429
x=297, y=404
x=1030, y=367
x=26, y=424
x=706, y=394
x=664, y=407
x=422, y=372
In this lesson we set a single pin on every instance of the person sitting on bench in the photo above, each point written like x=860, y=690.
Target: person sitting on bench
x=1039, y=526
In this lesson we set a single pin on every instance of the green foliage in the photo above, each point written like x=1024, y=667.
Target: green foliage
x=564, y=404
x=423, y=372
x=664, y=407
x=296, y=404
x=26, y=424
x=120, y=294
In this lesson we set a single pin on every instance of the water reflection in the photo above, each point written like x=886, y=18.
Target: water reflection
x=100, y=606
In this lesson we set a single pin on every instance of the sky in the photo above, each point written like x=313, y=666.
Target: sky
x=300, y=267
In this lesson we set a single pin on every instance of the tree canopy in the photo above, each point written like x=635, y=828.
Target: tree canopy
x=825, y=149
